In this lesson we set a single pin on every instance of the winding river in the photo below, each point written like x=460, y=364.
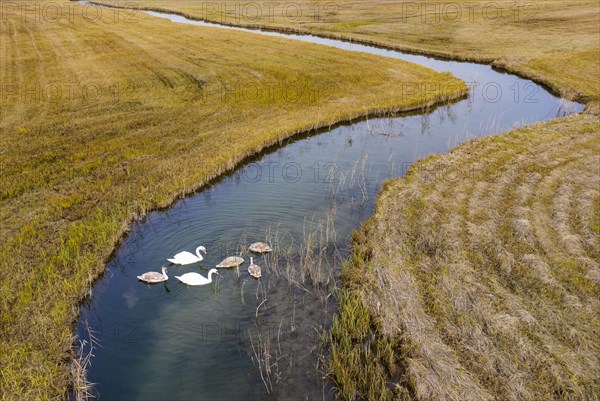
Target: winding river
x=243, y=339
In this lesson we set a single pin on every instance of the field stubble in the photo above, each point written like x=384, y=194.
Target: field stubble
x=550, y=41
x=478, y=276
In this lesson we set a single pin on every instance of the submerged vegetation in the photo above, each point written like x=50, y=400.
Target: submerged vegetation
x=105, y=116
x=478, y=276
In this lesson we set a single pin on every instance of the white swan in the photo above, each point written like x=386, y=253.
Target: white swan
x=187, y=258
x=154, y=277
x=197, y=279
x=254, y=270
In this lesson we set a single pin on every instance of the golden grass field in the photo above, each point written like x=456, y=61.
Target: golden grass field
x=552, y=41
x=103, y=120
x=483, y=285
x=483, y=275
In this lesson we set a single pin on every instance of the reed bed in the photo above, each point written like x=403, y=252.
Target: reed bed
x=307, y=270
x=82, y=389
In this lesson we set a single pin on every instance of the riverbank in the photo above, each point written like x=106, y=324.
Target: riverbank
x=478, y=276
x=107, y=116
x=534, y=40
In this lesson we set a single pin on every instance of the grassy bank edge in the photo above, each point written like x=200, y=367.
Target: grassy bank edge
x=356, y=342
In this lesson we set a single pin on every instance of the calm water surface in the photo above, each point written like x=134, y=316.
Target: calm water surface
x=172, y=342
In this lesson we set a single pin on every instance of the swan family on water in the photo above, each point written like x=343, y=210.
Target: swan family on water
x=187, y=258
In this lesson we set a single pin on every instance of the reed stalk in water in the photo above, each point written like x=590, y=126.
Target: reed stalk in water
x=82, y=388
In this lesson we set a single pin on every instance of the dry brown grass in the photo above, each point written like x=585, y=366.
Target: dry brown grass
x=483, y=267
x=552, y=41
x=153, y=125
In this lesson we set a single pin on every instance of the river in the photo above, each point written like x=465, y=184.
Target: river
x=243, y=339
